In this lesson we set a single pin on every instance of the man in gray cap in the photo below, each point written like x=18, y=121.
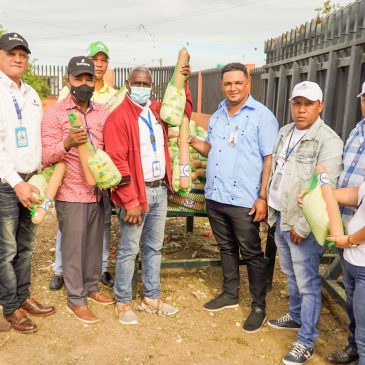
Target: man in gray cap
x=20, y=158
x=78, y=205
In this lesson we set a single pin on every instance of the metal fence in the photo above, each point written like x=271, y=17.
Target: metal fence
x=346, y=26
x=211, y=91
x=160, y=78
x=336, y=63
x=54, y=75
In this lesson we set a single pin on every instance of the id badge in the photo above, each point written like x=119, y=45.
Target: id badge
x=233, y=138
x=277, y=180
x=21, y=137
x=156, y=169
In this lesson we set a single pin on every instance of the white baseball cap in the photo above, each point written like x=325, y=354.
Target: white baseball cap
x=309, y=90
x=362, y=91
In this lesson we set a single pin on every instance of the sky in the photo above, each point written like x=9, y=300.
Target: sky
x=152, y=32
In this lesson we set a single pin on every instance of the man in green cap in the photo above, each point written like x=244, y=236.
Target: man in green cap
x=99, y=53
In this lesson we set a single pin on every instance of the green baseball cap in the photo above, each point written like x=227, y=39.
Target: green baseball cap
x=96, y=47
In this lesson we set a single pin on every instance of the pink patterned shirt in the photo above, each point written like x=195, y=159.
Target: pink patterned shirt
x=55, y=128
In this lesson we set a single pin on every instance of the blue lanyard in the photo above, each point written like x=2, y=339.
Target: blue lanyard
x=152, y=133
x=17, y=108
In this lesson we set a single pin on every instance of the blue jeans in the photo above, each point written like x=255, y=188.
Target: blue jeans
x=349, y=283
x=357, y=274
x=150, y=234
x=57, y=267
x=300, y=263
x=17, y=234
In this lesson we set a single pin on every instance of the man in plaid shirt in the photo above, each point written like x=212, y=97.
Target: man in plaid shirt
x=353, y=174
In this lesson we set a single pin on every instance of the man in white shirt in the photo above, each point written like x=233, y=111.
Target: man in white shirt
x=20, y=158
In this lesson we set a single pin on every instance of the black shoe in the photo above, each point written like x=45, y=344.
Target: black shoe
x=255, y=320
x=222, y=301
x=298, y=355
x=107, y=279
x=284, y=323
x=345, y=356
x=56, y=282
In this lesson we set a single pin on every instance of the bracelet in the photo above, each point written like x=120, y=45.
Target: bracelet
x=323, y=178
x=351, y=244
x=262, y=197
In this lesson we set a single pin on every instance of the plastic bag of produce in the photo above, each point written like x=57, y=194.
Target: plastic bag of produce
x=315, y=211
x=116, y=99
x=105, y=172
x=174, y=100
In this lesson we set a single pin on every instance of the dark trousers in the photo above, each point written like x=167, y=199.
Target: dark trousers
x=235, y=231
x=81, y=226
x=17, y=234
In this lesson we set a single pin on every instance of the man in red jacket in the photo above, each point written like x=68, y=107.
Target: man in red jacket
x=136, y=139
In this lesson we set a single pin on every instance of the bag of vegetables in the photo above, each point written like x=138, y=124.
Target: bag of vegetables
x=98, y=167
x=321, y=211
x=174, y=100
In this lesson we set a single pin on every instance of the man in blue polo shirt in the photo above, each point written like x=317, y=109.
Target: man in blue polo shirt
x=241, y=138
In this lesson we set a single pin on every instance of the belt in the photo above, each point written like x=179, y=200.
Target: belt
x=27, y=176
x=154, y=184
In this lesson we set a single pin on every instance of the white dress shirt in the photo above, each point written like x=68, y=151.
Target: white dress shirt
x=356, y=255
x=148, y=156
x=15, y=159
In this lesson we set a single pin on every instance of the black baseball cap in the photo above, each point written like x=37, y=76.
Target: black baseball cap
x=80, y=65
x=9, y=41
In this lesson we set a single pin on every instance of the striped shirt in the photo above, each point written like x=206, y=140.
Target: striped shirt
x=353, y=173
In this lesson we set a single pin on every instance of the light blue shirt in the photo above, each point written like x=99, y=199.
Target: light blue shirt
x=234, y=170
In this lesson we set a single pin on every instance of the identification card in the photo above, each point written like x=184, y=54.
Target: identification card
x=277, y=180
x=233, y=137
x=156, y=169
x=21, y=137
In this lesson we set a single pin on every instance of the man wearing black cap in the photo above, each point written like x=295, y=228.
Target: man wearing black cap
x=20, y=158
x=78, y=206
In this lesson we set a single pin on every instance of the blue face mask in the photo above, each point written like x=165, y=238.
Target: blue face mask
x=140, y=95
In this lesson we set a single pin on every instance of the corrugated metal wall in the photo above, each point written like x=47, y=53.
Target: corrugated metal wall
x=328, y=51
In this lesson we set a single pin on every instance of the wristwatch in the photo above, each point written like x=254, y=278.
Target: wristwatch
x=351, y=244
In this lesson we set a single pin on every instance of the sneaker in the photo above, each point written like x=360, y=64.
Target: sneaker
x=222, y=301
x=125, y=313
x=298, y=355
x=255, y=320
x=157, y=306
x=101, y=298
x=82, y=313
x=345, y=356
x=284, y=323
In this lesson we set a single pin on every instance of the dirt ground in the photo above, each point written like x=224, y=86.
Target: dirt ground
x=193, y=336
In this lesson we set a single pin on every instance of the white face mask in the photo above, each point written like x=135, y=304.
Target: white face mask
x=140, y=95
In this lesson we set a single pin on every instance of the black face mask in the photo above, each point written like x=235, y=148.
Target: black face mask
x=82, y=93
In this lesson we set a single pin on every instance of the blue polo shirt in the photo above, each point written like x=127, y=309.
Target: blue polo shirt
x=234, y=170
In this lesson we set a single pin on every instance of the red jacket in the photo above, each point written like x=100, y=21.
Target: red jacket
x=121, y=140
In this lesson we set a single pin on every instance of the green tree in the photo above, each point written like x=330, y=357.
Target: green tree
x=327, y=8
x=38, y=83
